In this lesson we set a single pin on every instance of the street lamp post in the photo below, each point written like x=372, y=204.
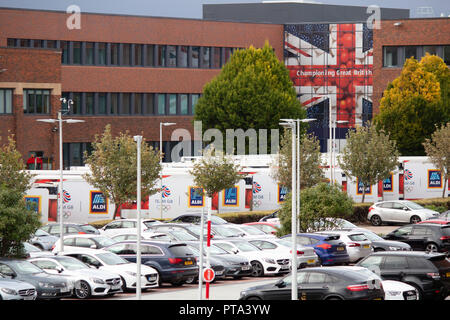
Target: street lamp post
x=333, y=139
x=61, y=190
x=161, y=124
x=138, y=140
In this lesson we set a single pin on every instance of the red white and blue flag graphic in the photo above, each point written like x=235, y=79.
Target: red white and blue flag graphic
x=331, y=67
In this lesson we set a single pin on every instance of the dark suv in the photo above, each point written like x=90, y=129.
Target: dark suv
x=424, y=236
x=175, y=262
x=429, y=273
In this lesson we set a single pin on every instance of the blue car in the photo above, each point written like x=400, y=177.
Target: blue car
x=175, y=262
x=329, y=248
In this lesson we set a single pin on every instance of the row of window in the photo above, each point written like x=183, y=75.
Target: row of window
x=395, y=56
x=132, y=54
x=5, y=101
x=125, y=103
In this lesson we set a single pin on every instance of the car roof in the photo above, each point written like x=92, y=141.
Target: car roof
x=79, y=250
x=341, y=232
x=154, y=242
x=87, y=235
x=408, y=254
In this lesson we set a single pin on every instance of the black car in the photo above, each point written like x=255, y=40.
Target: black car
x=423, y=236
x=196, y=217
x=48, y=286
x=322, y=283
x=429, y=273
x=174, y=262
x=273, y=215
x=70, y=228
x=380, y=244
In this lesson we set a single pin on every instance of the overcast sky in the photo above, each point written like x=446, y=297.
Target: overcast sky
x=193, y=8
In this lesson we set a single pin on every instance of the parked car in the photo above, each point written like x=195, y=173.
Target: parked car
x=236, y=266
x=306, y=256
x=196, y=217
x=322, y=283
x=43, y=240
x=396, y=290
x=330, y=249
x=271, y=218
x=436, y=221
x=263, y=262
x=249, y=232
x=120, y=225
x=223, y=232
x=69, y=228
x=423, y=236
x=108, y=261
x=16, y=290
x=192, y=229
x=90, y=282
x=174, y=262
x=444, y=215
x=33, y=251
x=92, y=241
x=399, y=211
x=429, y=273
x=358, y=246
x=266, y=227
x=380, y=244
x=170, y=235
x=48, y=286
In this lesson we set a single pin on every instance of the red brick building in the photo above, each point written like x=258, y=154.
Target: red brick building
x=129, y=71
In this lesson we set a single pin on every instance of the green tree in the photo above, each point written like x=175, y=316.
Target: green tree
x=320, y=206
x=113, y=165
x=438, y=150
x=310, y=161
x=253, y=91
x=415, y=102
x=369, y=155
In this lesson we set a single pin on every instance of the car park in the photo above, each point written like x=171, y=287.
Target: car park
x=43, y=240
x=322, y=283
x=399, y=211
x=174, y=262
x=170, y=235
x=90, y=282
x=380, y=244
x=306, y=256
x=108, y=261
x=429, y=273
x=423, y=236
x=266, y=227
x=192, y=229
x=236, y=266
x=329, y=248
x=92, y=241
x=11, y=289
x=396, y=290
x=48, y=286
x=358, y=246
x=249, y=232
x=195, y=218
x=263, y=262
x=69, y=228
x=121, y=225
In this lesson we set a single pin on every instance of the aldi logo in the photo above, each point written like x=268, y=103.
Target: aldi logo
x=282, y=192
x=196, y=197
x=360, y=186
x=434, y=179
x=231, y=197
x=98, y=203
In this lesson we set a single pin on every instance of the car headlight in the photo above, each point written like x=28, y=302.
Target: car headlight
x=9, y=291
x=46, y=285
x=394, y=248
x=394, y=293
x=269, y=260
x=98, y=280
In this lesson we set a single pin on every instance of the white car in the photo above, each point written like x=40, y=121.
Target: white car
x=396, y=290
x=306, y=256
x=263, y=262
x=358, y=246
x=11, y=289
x=250, y=232
x=108, y=261
x=118, y=226
x=89, y=281
x=403, y=211
x=76, y=241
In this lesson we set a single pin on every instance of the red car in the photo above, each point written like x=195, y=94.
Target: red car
x=266, y=227
x=443, y=222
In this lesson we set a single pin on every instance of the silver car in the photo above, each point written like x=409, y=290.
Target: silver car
x=43, y=240
x=402, y=211
x=16, y=290
x=90, y=282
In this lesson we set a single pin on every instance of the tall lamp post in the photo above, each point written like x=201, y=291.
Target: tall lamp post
x=333, y=153
x=138, y=140
x=161, y=124
x=61, y=112
x=293, y=124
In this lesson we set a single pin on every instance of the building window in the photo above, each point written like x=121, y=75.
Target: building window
x=89, y=53
x=11, y=42
x=161, y=103
x=114, y=107
x=194, y=100
x=447, y=55
x=73, y=153
x=138, y=103
x=115, y=54
x=172, y=56
x=102, y=53
x=184, y=104
x=205, y=57
x=195, y=53
x=216, y=58
x=390, y=57
x=5, y=101
x=36, y=101
x=161, y=56
x=24, y=43
x=89, y=103
x=126, y=103
x=76, y=106
x=102, y=103
x=51, y=44
x=410, y=51
x=228, y=53
x=65, y=52
x=183, y=56
x=149, y=103
x=430, y=49
x=172, y=104
x=76, y=52
x=138, y=54
x=149, y=61
x=38, y=43
x=126, y=54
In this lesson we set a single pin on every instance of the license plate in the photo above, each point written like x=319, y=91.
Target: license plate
x=284, y=267
x=447, y=274
x=340, y=249
x=311, y=261
x=366, y=246
x=219, y=273
x=413, y=297
x=377, y=299
x=117, y=286
x=246, y=268
x=28, y=298
x=188, y=263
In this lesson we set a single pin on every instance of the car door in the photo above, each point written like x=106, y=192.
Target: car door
x=400, y=234
x=282, y=289
x=385, y=211
x=399, y=212
x=418, y=237
x=316, y=286
x=47, y=265
x=394, y=268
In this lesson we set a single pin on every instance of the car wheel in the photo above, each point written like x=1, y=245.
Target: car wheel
x=84, y=291
x=431, y=247
x=253, y=298
x=415, y=219
x=124, y=285
x=376, y=220
x=258, y=269
x=191, y=280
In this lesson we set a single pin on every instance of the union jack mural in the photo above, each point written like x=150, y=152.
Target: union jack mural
x=331, y=67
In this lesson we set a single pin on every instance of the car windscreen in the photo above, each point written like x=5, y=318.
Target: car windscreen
x=25, y=267
x=72, y=263
x=357, y=237
x=445, y=231
x=227, y=232
x=245, y=246
x=361, y=274
x=218, y=220
x=105, y=241
x=413, y=205
x=373, y=236
x=253, y=231
x=441, y=262
x=183, y=235
x=180, y=250
x=40, y=233
x=88, y=228
x=111, y=258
